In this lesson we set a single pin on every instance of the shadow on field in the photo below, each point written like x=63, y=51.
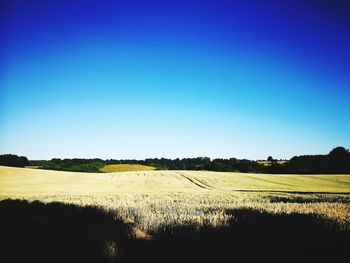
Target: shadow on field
x=35, y=232
x=252, y=237
x=55, y=232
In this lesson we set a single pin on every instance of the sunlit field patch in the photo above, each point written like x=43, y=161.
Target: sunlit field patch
x=125, y=168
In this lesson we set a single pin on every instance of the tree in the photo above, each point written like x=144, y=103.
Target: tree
x=339, y=160
x=13, y=160
x=270, y=159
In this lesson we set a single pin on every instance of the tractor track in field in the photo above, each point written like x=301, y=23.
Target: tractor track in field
x=196, y=182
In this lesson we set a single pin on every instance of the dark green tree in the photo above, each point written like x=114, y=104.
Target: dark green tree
x=13, y=160
x=339, y=160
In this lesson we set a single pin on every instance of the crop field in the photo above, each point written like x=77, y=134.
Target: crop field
x=268, y=163
x=110, y=168
x=150, y=200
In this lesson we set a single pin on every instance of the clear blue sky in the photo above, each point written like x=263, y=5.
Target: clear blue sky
x=133, y=79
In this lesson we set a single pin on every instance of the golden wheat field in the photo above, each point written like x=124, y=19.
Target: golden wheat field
x=152, y=199
x=110, y=168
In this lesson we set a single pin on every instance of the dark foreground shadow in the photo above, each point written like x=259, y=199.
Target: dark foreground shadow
x=251, y=237
x=55, y=232
x=35, y=232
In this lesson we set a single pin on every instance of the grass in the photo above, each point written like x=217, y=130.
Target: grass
x=152, y=200
x=110, y=168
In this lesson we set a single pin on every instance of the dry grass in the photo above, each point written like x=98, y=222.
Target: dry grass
x=110, y=168
x=153, y=199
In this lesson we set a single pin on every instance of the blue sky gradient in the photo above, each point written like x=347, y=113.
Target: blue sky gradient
x=138, y=79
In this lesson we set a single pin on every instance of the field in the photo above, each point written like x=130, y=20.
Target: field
x=110, y=168
x=269, y=163
x=33, y=166
x=150, y=200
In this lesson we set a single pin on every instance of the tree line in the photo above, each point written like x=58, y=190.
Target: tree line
x=13, y=160
x=337, y=161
